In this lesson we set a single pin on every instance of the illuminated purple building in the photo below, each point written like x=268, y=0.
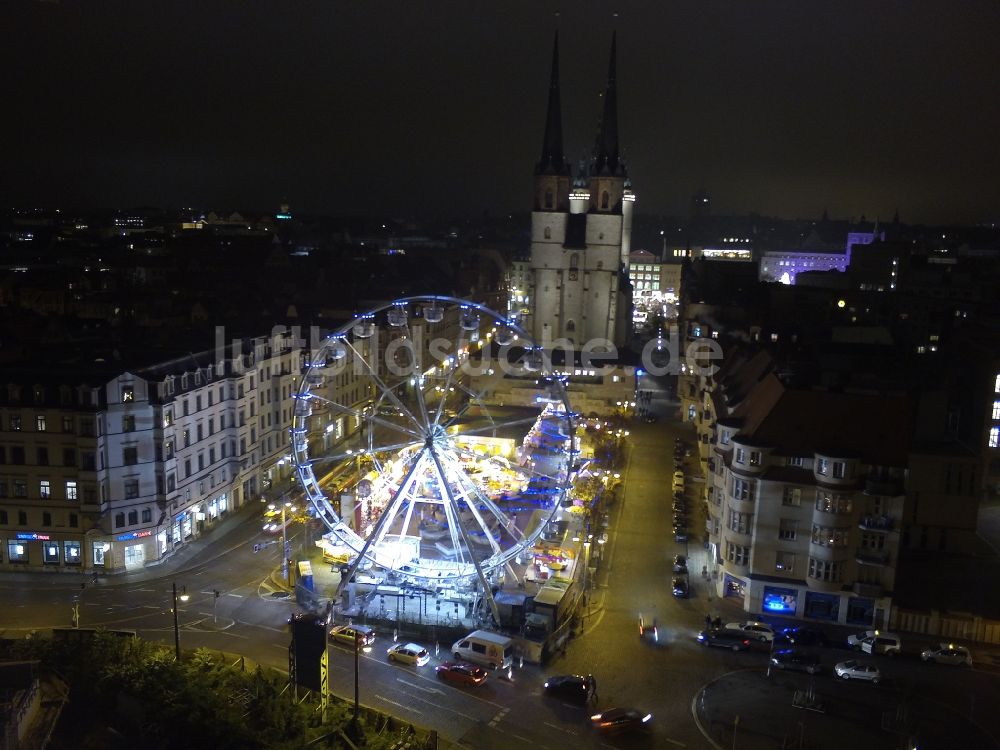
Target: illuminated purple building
x=814, y=255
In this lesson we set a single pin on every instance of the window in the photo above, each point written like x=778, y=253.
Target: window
x=17, y=552
x=822, y=466
x=737, y=553
x=725, y=437
x=201, y=432
x=873, y=541
x=69, y=457
x=787, y=529
x=20, y=488
x=168, y=418
x=133, y=517
x=74, y=520
x=795, y=461
x=741, y=523
x=197, y=399
x=743, y=490
x=128, y=394
x=22, y=518
x=88, y=461
x=187, y=467
x=830, y=502
x=15, y=422
x=187, y=438
x=201, y=461
x=785, y=562
x=171, y=482
x=839, y=470
x=46, y=518
x=827, y=536
x=43, y=457
x=72, y=553
x=741, y=456
x=99, y=551
x=128, y=423
x=824, y=570
x=119, y=520
x=130, y=456
x=3, y=454
x=67, y=424
x=3, y=517
x=40, y=423
x=71, y=489
x=792, y=496
x=755, y=458
x=604, y=199
x=168, y=449
x=17, y=455
x=996, y=385
x=147, y=515
x=131, y=489
x=994, y=437
x=44, y=489
x=996, y=411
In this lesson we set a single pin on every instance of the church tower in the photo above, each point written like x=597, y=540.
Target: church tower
x=580, y=233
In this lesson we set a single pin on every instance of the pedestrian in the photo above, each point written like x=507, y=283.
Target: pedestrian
x=704, y=571
x=717, y=622
x=708, y=622
x=592, y=684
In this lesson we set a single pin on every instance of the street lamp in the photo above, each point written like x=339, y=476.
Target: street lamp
x=357, y=662
x=177, y=630
x=286, y=573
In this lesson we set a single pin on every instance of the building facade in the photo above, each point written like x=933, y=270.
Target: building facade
x=581, y=232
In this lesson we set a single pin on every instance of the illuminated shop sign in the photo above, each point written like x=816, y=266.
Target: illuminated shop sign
x=32, y=536
x=134, y=535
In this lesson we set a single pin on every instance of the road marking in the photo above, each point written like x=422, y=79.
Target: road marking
x=420, y=687
x=132, y=591
x=561, y=729
x=149, y=606
x=438, y=707
x=675, y=742
x=401, y=705
x=201, y=572
x=498, y=718
x=238, y=596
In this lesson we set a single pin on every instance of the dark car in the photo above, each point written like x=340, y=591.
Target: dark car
x=804, y=636
x=574, y=688
x=735, y=640
x=681, y=587
x=797, y=660
x=680, y=564
x=649, y=418
x=616, y=720
x=461, y=673
x=680, y=535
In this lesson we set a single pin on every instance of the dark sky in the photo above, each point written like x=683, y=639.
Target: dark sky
x=436, y=107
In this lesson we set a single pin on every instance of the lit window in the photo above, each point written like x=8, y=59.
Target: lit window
x=822, y=465
x=994, y=437
x=44, y=489
x=996, y=410
x=128, y=394
x=70, y=490
x=996, y=386
x=40, y=423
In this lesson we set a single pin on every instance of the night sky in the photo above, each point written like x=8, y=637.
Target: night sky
x=436, y=108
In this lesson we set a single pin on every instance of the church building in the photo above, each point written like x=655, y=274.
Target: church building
x=581, y=232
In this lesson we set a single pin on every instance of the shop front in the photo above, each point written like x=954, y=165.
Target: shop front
x=138, y=546
x=779, y=601
x=821, y=606
x=43, y=550
x=734, y=587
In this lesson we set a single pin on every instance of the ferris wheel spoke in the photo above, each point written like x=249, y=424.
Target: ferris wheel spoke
x=363, y=414
x=506, y=523
x=386, y=390
x=382, y=525
x=475, y=399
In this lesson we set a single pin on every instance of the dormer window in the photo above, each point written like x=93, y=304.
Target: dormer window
x=725, y=437
x=755, y=458
x=795, y=461
x=839, y=470
x=822, y=466
x=128, y=394
x=741, y=456
x=604, y=199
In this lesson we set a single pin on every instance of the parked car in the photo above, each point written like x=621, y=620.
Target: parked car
x=852, y=669
x=804, y=636
x=680, y=564
x=359, y=636
x=680, y=586
x=616, y=720
x=796, y=660
x=760, y=631
x=409, y=653
x=888, y=644
x=680, y=535
x=736, y=640
x=574, y=688
x=948, y=653
x=854, y=639
x=461, y=673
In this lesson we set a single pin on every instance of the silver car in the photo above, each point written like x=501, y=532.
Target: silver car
x=948, y=653
x=853, y=669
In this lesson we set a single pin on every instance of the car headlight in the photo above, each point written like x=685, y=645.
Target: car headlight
x=597, y=717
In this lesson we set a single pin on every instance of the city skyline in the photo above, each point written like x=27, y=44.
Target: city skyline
x=402, y=110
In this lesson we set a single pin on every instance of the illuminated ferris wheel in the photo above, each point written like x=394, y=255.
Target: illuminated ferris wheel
x=433, y=440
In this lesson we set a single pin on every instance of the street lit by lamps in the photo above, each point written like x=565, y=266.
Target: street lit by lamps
x=177, y=630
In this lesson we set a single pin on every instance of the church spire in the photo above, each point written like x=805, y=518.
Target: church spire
x=552, y=161
x=606, y=153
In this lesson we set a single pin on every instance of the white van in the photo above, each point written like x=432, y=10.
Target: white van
x=485, y=647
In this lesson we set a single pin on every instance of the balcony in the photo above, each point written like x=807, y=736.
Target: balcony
x=887, y=487
x=872, y=557
x=877, y=523
x=867, y=590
